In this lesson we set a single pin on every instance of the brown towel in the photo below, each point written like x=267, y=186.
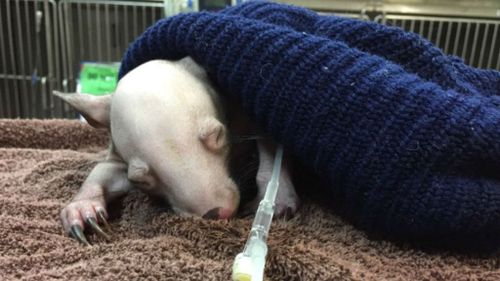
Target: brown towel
x=43, y=163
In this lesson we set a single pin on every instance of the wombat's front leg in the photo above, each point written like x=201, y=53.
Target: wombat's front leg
x=107, y=181
x=287, y=201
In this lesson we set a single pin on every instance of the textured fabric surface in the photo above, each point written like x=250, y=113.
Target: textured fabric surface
x=407, y=138
x=150, y=243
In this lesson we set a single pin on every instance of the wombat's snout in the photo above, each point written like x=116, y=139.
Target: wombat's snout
x=227, y=200
x=218, y=213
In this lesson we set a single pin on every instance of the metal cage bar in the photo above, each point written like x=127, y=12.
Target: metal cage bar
x=29, y=54
x=349, y=14
x=104, y=31
x=43, y=42
x=475, y=40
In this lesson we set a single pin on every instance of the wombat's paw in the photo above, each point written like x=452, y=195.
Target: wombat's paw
x=287, y=203
x=285, y=206
x=82, y=214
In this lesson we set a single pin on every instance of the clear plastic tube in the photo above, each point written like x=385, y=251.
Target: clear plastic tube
x=249, y=264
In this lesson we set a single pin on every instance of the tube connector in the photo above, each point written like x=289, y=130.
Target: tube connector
x=249, y=264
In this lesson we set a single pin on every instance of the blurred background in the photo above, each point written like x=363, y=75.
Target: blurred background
x=76, y=45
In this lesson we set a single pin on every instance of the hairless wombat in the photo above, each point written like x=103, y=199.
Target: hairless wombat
x=169, y=137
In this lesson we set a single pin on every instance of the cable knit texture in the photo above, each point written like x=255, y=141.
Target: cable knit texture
x=407, y=137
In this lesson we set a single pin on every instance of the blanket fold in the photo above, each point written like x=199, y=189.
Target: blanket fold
x=408, y=137
x=415, y=54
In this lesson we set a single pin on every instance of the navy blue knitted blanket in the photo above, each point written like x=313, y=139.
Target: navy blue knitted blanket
x=407, y=137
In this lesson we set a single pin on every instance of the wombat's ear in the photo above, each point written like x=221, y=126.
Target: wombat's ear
x=95, y=109
x=212, y=133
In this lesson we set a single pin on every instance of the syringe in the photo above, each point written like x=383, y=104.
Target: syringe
x=249, y=264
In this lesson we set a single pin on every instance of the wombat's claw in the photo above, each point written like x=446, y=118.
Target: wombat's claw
x=102, y=218
x=288, y=213
x=77, y=233
x=93, y=223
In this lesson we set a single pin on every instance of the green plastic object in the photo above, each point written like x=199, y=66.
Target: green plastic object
x=98, y=78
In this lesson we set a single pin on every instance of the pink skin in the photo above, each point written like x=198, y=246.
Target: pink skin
x=168, y=139
x=287, y=202
x=107, y=181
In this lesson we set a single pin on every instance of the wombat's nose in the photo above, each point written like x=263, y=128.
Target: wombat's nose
x=218, y=213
